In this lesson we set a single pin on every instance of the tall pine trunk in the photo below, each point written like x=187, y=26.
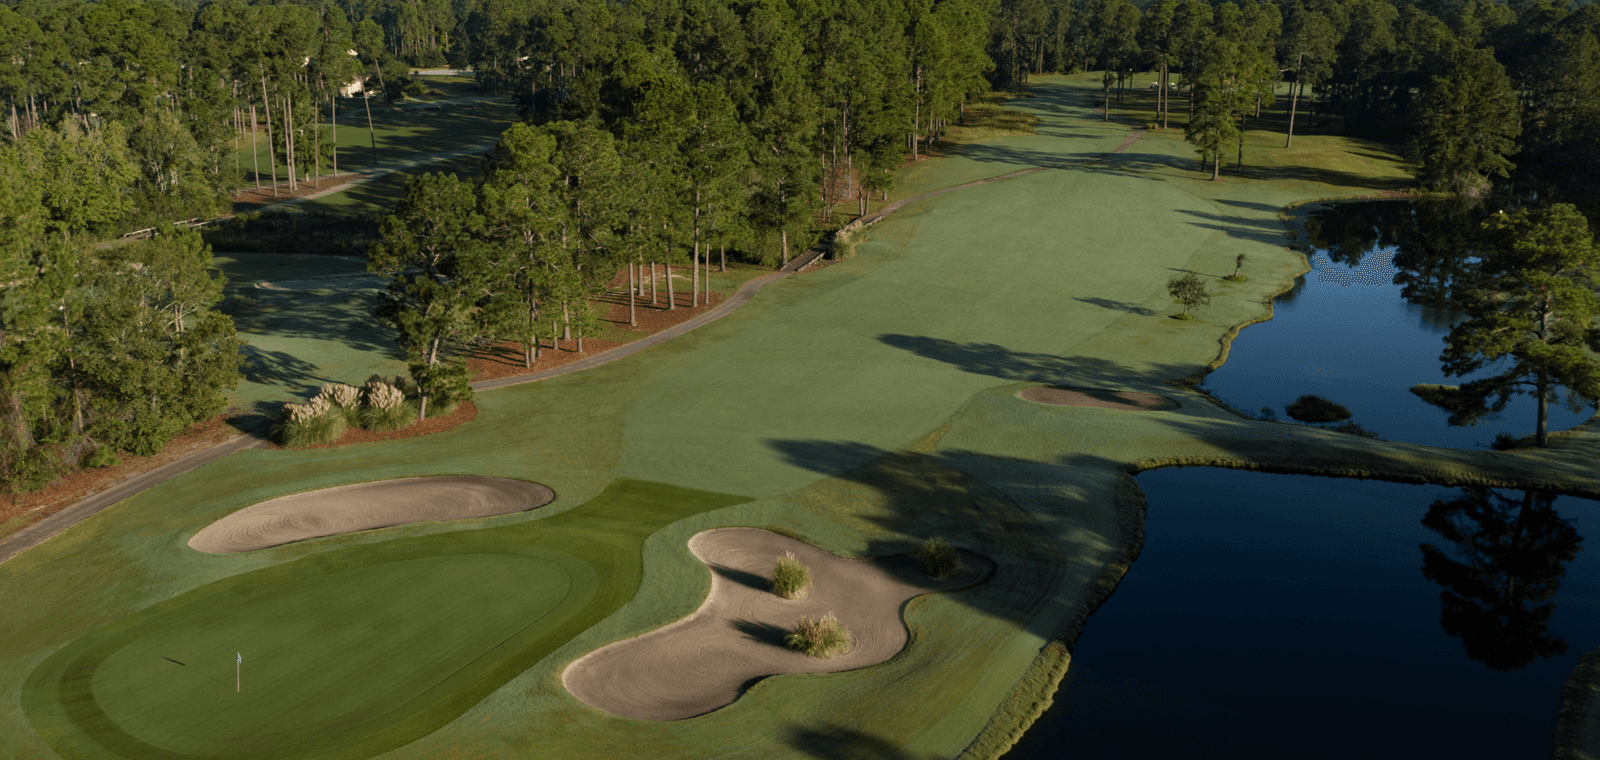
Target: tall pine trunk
x=272, y=150
x=654, y=300
x=255, y=150
x=1294, y=99
x=633, y=289
x=672, y=297
x=1542, y=436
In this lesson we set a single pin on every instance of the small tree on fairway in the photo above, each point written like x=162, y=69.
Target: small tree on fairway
x=1189, y=291
x=1531, y=309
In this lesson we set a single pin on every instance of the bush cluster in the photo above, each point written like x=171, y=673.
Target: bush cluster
x=380, y=405
x=938, y=558
x=790, y=579
x=1315, y=409
x=823, y=637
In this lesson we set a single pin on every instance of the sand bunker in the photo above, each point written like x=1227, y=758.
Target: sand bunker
x=364, y=506
x=1131, y=401
x=709, y=658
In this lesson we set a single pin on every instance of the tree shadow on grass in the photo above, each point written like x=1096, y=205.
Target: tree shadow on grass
x=997, y=361
x=840, y=743
x=1106, y=303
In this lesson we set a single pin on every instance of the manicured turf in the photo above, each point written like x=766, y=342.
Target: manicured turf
x=863, y=407
x=353, y=652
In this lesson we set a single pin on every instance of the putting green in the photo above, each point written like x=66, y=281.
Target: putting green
x=348, y=653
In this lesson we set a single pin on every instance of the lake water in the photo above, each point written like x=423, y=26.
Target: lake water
x=1348, y=333
x=1275, y=616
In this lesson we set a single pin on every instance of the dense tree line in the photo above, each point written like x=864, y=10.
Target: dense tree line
x=1475, y=88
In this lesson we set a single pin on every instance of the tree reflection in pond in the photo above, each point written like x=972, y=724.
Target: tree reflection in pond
x=1513, y=554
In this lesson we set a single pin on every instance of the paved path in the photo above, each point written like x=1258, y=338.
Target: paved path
x=66, y=518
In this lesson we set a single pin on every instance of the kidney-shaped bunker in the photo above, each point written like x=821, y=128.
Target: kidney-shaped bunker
x=364, y=506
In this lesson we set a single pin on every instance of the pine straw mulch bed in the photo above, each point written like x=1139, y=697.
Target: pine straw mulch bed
x=250, y=199
x=504, y=359
x=18, y=511
x=463, y=413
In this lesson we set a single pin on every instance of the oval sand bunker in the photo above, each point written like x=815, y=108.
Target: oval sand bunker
x=364, y=506
x=706, y=660
x=1128, y=401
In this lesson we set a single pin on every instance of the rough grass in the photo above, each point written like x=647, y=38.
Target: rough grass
x=822, y=637
x=988, y=117
x=938, y=558
x=790, y=578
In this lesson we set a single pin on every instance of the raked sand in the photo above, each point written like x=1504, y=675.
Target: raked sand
x=706, y=660
x=364, y=506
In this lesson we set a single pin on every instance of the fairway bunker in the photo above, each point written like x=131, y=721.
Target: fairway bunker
x=706, y=660
x=1099, y=398
x=365, y=506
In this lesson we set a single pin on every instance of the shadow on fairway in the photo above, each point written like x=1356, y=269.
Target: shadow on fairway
x=838, y=743
x=1106, y=303
x=997, y=361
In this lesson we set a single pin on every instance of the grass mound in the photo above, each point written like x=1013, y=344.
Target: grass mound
x=938, y=558
x=790, y=578
x=823, y=637
x=1316, y=409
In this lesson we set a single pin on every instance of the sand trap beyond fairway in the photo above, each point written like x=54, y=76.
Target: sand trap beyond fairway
x=364, y=506
x=706, y=660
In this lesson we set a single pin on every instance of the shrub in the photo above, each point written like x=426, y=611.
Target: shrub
x=102, y=456
x=1509, y=442
x=823, y=637
x=938, y=558
x=345, y=399
x=844, y=245
x=1315, y=409
x=309, y=424
x=445, y=384
x=790, y=579
x=1267, y=415
x=1354, y=429
x=386, y=408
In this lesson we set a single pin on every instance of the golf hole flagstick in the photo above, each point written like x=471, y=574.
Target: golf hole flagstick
x=238, y=664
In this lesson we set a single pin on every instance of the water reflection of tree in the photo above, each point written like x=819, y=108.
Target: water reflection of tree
x=1433, y=241
x=1515, y=551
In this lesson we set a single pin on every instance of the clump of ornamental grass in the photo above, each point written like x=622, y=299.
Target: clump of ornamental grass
x=385, y=407
x=790, y=579
x=938, y=558
x=346, y=399
x=309, y=424
x=823, y=637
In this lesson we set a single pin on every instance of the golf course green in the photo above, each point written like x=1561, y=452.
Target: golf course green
x=861, y=408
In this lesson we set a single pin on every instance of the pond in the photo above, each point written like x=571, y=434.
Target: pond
x=1275, y=616
x=1368, y=322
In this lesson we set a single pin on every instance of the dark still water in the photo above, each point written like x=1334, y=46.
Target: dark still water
x=1367, y=323
x=1275, y=616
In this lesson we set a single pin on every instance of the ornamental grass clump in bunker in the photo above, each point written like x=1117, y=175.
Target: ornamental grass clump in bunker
x=790, y=578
